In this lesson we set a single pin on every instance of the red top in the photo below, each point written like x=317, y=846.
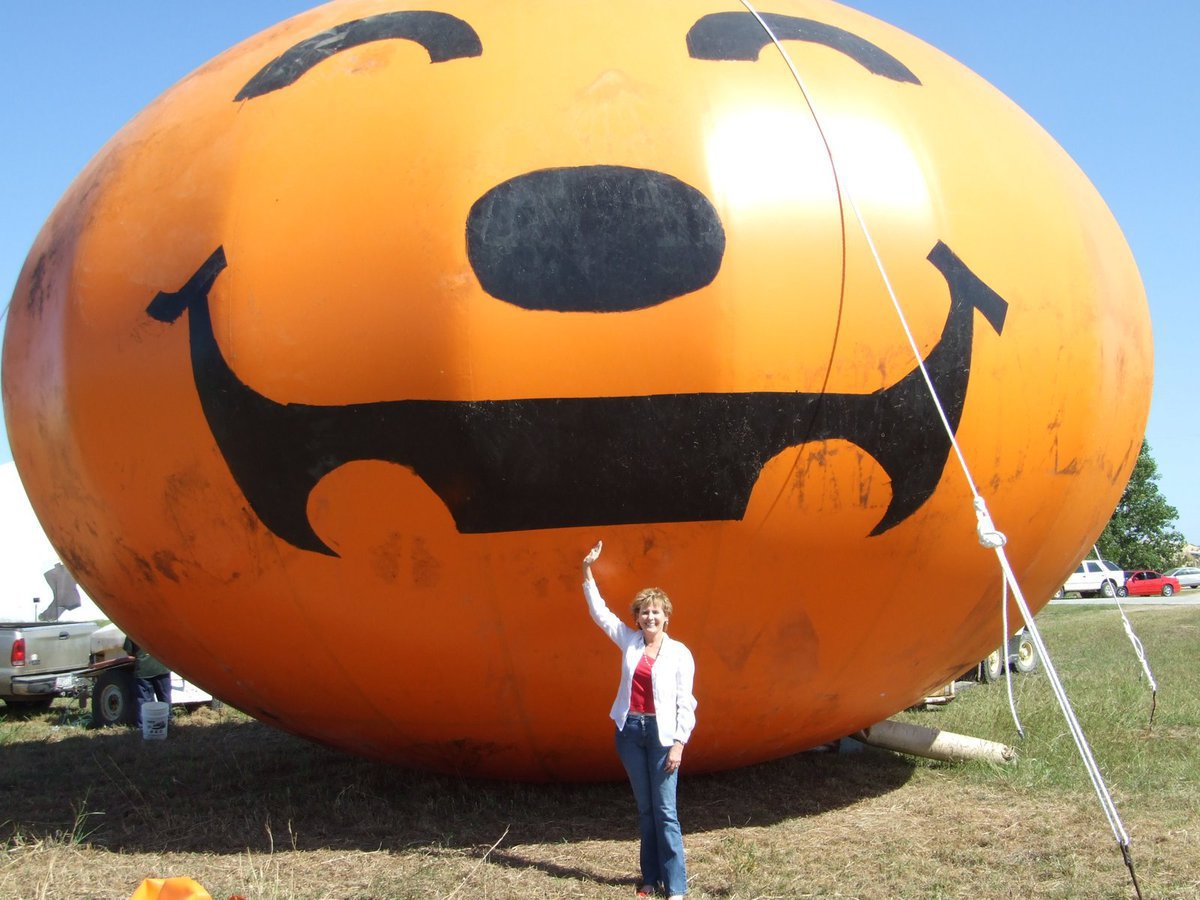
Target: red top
x=641, y=697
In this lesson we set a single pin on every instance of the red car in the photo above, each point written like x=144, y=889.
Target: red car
x=1144, y=583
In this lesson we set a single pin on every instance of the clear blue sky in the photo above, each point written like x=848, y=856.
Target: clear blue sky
x=1114, y=81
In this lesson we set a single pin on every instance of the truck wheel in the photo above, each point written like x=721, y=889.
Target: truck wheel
x=1168, y=590
x=1108, y=589
x=1027, y=658
x=992, y=668
x=114, y=699
x=1060, y=593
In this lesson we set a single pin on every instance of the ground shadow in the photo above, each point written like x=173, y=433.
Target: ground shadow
x=225, y=785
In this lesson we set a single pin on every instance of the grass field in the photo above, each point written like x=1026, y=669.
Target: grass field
x=248, y=811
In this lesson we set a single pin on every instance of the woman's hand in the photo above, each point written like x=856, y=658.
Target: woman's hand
x=674, y=758
x=593, y=554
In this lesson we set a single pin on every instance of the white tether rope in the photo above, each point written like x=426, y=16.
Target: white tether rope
x=989, y=536
x=1012, y=703
x=1137, y=647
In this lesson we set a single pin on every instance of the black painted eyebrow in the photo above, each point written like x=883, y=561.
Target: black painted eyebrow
x=740, y=36
x=444, y=36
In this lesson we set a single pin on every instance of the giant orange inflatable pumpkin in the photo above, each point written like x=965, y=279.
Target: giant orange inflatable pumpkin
x=331, y=366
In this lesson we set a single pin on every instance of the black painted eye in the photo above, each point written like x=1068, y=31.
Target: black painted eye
x=740, y=36
x=444, y=36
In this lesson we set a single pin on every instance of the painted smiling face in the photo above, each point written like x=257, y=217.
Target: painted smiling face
x=400, y=308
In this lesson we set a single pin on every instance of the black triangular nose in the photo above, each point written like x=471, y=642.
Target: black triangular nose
x=593, y=239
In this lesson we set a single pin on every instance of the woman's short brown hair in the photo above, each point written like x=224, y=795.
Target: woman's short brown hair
x=649, y=597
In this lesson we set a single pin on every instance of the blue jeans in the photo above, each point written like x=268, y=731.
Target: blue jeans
x=148, y=689
x=662, y=839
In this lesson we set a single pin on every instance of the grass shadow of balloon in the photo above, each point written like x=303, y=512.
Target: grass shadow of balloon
x=225, y=785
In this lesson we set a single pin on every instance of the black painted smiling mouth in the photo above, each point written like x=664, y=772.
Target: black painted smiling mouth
x=592, y=239
x=516, y=465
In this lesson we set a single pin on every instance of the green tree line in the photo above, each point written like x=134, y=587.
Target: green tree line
x=1141, y=533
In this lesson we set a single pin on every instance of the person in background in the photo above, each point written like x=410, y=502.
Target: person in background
x=655, y=713
x=152, y=677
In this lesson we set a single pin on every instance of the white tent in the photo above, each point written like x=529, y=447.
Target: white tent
x=25, y=557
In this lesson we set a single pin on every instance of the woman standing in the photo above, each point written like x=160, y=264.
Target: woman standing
x=655, y=713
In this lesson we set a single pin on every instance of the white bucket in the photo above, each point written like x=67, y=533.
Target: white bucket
x=155, y=715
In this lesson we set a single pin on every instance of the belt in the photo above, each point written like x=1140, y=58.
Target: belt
x=642, y=716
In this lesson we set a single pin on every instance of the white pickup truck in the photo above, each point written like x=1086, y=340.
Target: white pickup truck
x=39, y=661
x=1095, y=578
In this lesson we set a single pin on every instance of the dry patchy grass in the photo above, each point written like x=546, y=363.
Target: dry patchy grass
x=248, y=810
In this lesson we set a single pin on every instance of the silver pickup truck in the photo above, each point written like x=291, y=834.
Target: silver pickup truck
x=38, y=660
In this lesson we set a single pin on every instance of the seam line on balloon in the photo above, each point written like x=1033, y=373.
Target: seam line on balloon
x=1081, y=742
x=841, y=305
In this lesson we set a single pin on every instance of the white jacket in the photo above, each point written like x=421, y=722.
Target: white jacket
x=672, y=675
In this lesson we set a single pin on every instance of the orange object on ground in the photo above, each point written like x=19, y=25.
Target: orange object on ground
x=178, y=888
